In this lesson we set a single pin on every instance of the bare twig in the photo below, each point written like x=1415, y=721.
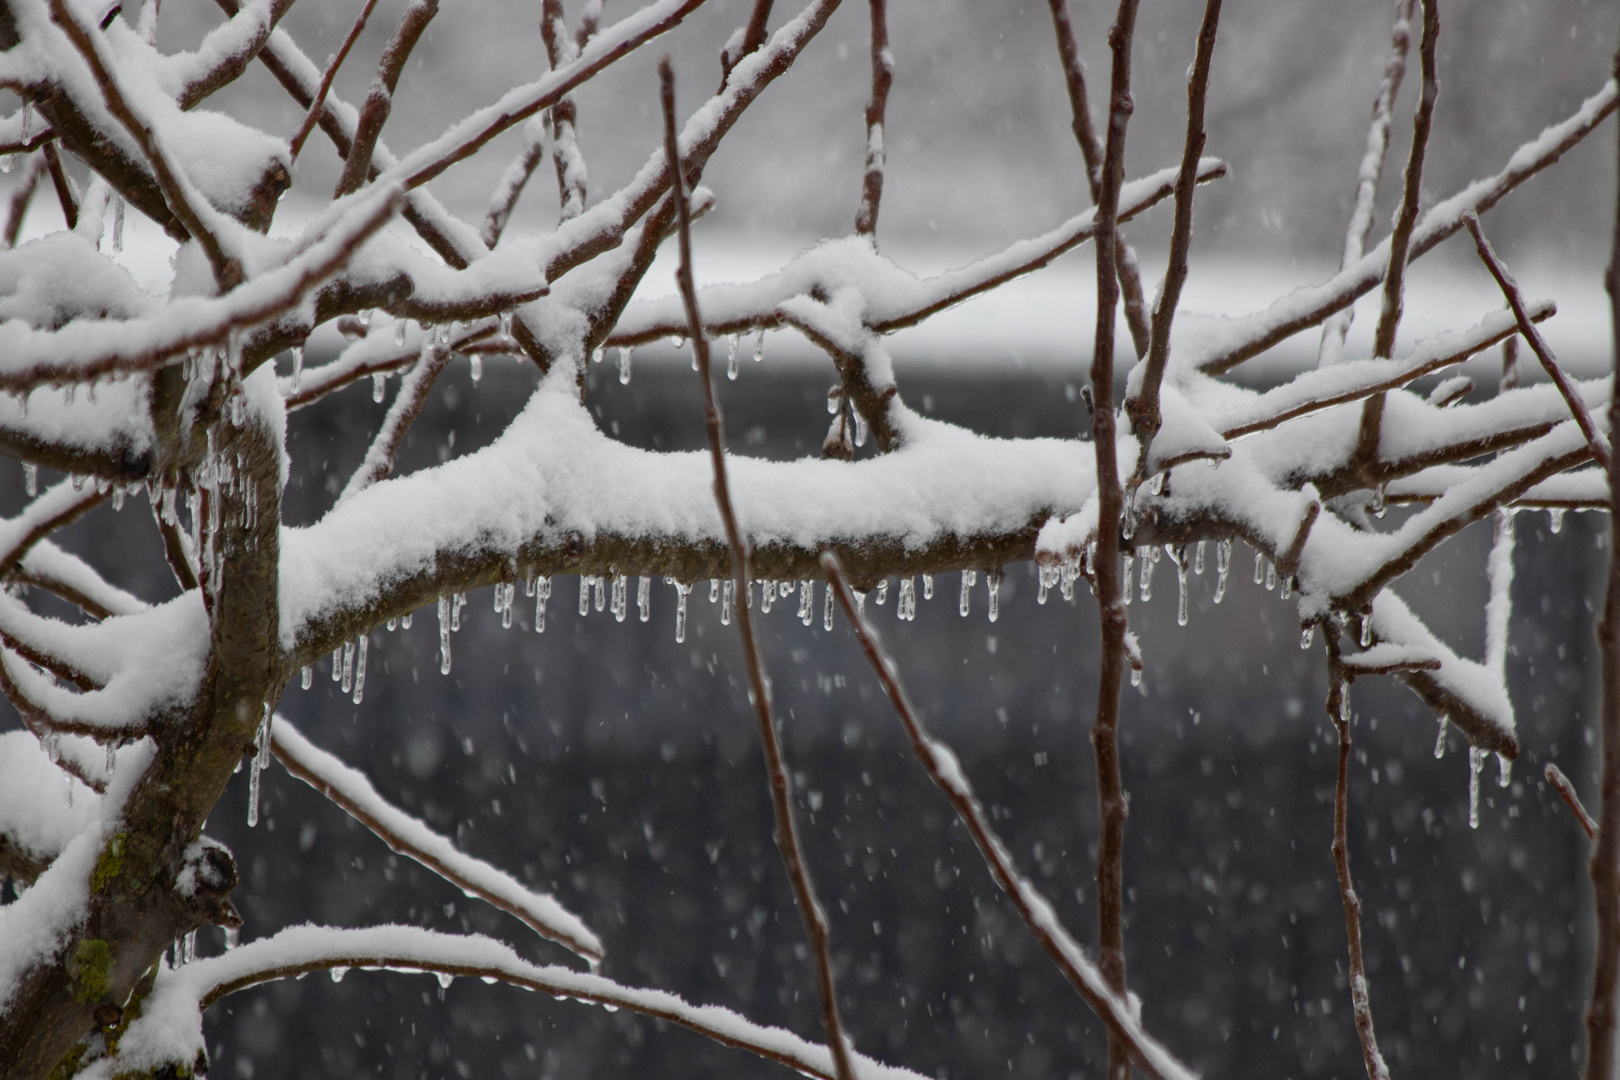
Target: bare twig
x=1605, y=866
x=350, y=790
x=1367, y=177
x=753, y=36
x=943, y=768
x=187, y=205
x=21, y=196
x=380, y=98
x=59, y=180
x=1143, y=408
x=1104, y=733
x=1561, y=784
x=1538, y=344
x=413, y=394
x=318, y=105
x=1389, y=316
x=882, y=76
x=1091, y=150
x=1338, y=709
x=787, y=835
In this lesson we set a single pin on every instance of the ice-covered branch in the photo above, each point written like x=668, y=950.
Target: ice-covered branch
x=375, y=354
x=1566, y=790
x=317, y=106
x=866, y=216
x=565, y=153
x=414, y=388
x=380, y=98
x=351, y=791
x=170, y=1026
x=223, y=55
x=64, y=502
x=48, y=567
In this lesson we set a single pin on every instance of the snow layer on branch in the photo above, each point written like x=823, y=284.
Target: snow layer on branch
x=41, y=920
x=35, y=813
x=351, y=788
x=170, y=1026
x=148, y=663
x=553, y=474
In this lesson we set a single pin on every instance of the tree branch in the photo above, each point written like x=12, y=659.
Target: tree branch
x=318, y=105
x=866, y=216
x=1538, y=344
x=1561, y=784
x=787, y=835
x=945, y=771
x=380, y=99
x=21, y=195
x=407, y=406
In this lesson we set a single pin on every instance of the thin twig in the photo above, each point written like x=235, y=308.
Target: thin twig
x=1367, y=177
x=318, y=105
x=1091, y=151
x=1605, y=865
x=943, y=768
x=505, y=196
x=380, y=98
x=184, y=201
x=1111, y=609
x=1561, y=784
x=59, y=180
x=1143, y=408
x=566, y=158
x=787, y=835
x=21, y=196
x=1338, y=709
x=1389, y=317
x=882, y=76
x=1538, y=344
x=414, y=389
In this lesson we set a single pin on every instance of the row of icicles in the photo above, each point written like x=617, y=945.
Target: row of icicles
x=733, y=355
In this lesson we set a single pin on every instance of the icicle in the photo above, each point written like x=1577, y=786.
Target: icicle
x=30, y=478
x=1307, y=636
x=1366, y=629
x=731, y=357
x=882, y=592
x=306, y=677
x=379, y=382
x=1379, y=503
x=7, y=161
x=1223, y=565
x=1504, y=770
x=445, y=979
x=337, y=664
x=337, y=973
x=970, y=578
x=1476, y=762
x=360, y=667
x=51, y=743
x=1136, y=676
x=759, y=346
x=1259, y=568
x=992, y=581
x=644, y=597
x=118, y=497
x=405, y=620
x=363, y=317
x=1287, y=587
x=118, y=223
x=456, y=602
x=599, y=591
x=1067, y=573
x=1271, y=575
x=860, y=600
x=767, y=596
x=860, y=428
x=444, y=635
x=1555, y=519
x=253, y=792
x=827, y=614
x=807, y=602
x=233, y=937
x=906, y=606
x=112, y=757
x=714, y=590
x=1150, y=561
x=1130, y=570
x=621, y=603
x=1047, y=576
x=1198, y=558
x=598, y=353
x=584, y=594
x=784, y=589
x=399, y=333
x=27, y=120
x=542, y=593
x=189, y=948
x=506, y=325
x=682, y=591
x=727, y=594
x=475, y=367
x=1344, y=700
x=624, y=366
x=928, y=586
x=1181, y=591
x=298, y=366
x=348, y=666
